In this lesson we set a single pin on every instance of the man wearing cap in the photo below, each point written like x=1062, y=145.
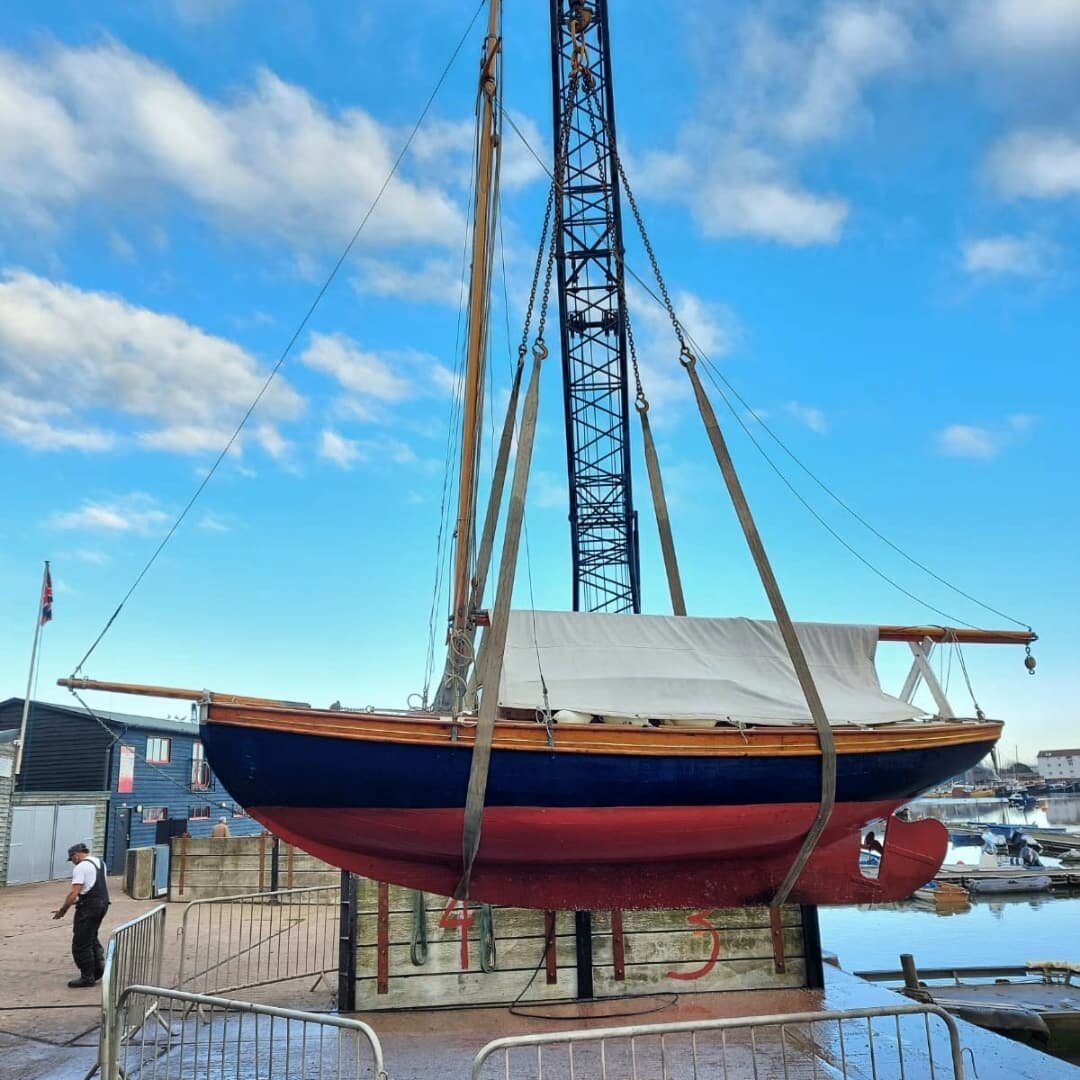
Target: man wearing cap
x=90, y=895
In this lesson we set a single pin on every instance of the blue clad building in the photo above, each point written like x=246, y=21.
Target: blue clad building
x=113, y=780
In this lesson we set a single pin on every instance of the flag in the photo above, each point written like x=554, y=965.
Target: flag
x=46, y=597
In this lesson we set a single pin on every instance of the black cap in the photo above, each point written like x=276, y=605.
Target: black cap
x=77, y=847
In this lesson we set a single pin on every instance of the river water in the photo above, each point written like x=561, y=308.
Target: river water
x=1005, y=930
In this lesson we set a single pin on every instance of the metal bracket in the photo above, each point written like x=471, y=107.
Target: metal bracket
x=922, y=671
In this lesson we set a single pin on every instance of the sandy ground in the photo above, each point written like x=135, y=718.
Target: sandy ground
x=49, y=1032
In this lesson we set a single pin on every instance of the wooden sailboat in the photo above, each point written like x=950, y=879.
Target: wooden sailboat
x=640, y=762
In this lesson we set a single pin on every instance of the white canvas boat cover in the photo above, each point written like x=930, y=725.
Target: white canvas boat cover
x=667, y=667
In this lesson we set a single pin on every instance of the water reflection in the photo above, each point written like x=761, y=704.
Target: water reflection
x=1005, y=930
x=1063, y=810
x=1051, y=810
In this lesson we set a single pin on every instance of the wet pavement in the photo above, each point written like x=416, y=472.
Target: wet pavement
x=49, y=1032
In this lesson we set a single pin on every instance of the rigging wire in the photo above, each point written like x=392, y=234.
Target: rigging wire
x=453, y=431
x=715, y=374
x=292, y=340
x=812, y=512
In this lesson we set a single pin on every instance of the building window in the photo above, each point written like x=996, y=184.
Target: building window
x=199, y=813
x=200, y=770
x=158, y=750
x=150, y=814
x=238, y=810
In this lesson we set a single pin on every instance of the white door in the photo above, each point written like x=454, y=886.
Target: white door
x=74, y=825
x=31, y=849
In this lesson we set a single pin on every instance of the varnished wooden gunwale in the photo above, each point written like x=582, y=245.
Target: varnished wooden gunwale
x=430, y=729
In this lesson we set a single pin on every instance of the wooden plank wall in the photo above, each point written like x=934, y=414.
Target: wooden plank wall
x=202, y=868
x=634, y=953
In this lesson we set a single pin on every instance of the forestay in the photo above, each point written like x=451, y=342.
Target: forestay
x=675, y=668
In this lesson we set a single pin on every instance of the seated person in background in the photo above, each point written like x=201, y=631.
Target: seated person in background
x=1029, y=854
x=872, y=843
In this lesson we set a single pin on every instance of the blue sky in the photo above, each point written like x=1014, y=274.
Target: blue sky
x=867, y=213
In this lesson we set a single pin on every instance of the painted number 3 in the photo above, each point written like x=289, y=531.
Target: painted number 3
x=450, y=920
x=700, y=921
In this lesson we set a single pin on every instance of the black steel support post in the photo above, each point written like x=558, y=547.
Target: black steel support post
x=811, y=935
x=592, y=323
x=275, y=855
x=346, y=992
x=583, y=942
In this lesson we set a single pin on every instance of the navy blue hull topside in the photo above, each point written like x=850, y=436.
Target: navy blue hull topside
x=260, y=767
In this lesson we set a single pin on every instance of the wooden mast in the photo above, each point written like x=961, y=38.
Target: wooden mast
x=477, y=331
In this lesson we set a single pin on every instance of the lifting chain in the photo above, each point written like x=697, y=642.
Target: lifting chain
x=684, y=349
x=556, y=203
x=578, y=23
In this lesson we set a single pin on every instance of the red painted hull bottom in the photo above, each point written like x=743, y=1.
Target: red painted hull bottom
x=595, y=859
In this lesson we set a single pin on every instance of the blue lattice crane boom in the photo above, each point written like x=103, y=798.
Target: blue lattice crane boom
x=603, y=523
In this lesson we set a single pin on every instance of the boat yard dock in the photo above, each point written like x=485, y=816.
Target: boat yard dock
x=1052, y=841
x=1061, y=877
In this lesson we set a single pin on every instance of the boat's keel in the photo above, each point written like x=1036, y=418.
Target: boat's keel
x=739, y=858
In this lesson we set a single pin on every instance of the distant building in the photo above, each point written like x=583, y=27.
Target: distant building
x=111, y=780
x=1058, y=764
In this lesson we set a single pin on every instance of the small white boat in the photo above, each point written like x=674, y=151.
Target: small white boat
x=1019, y=883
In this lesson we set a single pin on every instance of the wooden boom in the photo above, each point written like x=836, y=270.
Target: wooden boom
x=960, y=637
x=175, y=692
x=885, y=633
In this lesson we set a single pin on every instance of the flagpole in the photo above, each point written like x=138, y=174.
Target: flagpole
x=30, y=674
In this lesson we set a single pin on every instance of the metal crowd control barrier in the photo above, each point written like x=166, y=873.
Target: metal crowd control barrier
x=132, y=956
x=213, y=1038
x=229, y=943
x=793, y=1046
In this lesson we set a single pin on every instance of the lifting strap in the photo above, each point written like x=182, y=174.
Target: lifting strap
x=495, y=638
x=787, y=631
x=663, y=520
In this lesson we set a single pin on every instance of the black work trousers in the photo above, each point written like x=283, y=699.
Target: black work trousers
x=86, y=950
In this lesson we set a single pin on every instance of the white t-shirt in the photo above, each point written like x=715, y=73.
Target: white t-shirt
x=85, y=874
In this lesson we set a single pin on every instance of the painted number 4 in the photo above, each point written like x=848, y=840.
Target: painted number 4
x=700, y=921
x=450, y=920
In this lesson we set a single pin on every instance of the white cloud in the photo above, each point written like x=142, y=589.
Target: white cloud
x=778, y=81
x=135, y=513
x=272, y=441
x=65, y=352
x=1018, y=32
x=984, y=443
x=214, y=523
x=345, y=452
x=107, y=123
x=769, y=210
x=1036, y=163
x=27, y=421
x=808, y=415
x=341, y=451
x=966, y=440
x=734, y=190
x=435, y=280
x=713, y=329
x=357, y=371
x=374, y=382
x=852, y=46
x=995, y=256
